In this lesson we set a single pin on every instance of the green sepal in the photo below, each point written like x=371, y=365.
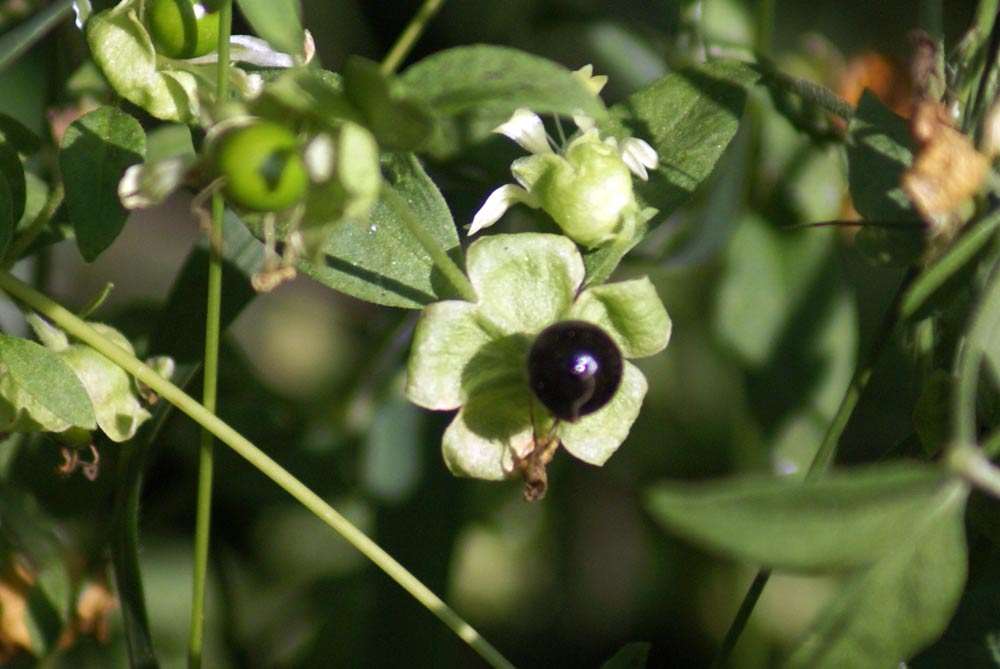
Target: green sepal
x=116, y=403
x=124, y=51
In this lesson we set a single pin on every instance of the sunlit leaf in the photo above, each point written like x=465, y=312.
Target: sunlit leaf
x=473, y=89
x=277, y=21
x=378, y=259
x=96, y=150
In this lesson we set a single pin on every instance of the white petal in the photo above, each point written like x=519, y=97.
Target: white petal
x=526, y=128
x=639, y=156
x=497, y=204
x=585, y=75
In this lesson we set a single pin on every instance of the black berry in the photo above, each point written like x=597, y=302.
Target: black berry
x=574, y=368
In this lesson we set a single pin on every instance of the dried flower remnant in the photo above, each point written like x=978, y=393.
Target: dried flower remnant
x=947, y=170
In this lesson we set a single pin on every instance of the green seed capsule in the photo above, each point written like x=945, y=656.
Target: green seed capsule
x=183, y=28
x=262, y=167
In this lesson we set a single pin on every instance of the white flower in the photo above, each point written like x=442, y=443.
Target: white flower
x=586, y=187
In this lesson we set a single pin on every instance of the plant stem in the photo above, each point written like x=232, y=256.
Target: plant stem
x=813, y=93
x=210, y=382
x=410, y=35
x=971, y=464
x=227, y=435
x=824, y=456
x=434, y=249
x=765, y=27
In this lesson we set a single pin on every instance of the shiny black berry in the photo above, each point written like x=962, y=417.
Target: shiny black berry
x=574, y=368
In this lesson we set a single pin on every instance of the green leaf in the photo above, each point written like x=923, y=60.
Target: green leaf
x=630, y=656
x=378, y=260
x=96, y=150
x=399, y=120
x=473, y=89
x=846, y=519
x=36, y=379
x=277, y=21
x=891, y=609
x=19, y=135
x=12, y=171
x=879, y=149
x=48, y=608
x=689, y=116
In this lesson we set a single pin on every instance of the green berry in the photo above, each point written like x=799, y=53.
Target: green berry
x=261, y=166
x=183, y=28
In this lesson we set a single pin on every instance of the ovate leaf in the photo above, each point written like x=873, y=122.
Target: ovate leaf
x=891, y=609
x=96, y=150
x=879, y=149
x=689, y=116
x=473, y=89
x=37, y=386
x=378, y=259
x=846, y=519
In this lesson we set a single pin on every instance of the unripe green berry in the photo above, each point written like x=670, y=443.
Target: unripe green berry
x=261, y=166
x=183, y=28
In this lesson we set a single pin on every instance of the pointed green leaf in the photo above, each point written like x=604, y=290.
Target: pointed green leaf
x=473, y=89
x=46, y=381
x=378, y=260
x=891, y=609
x=96, y=150
x=20, y=136
x=689, y=116
x=879, y=149
x=277, y=21
x=846, y=519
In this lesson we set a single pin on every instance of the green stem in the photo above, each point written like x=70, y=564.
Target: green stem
x=434, y=249
x=210, y=383
x=821, y=96
x=982, y=331
x=227, y=435
x=971, y=464
x=765, y=27
x=947, y=266
x=410, y=35
x=824, y=456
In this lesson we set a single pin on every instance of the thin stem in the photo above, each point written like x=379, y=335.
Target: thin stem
x=213, y=309
x=227, y=435
x=410, y=35
x=765, y=27
x=813, y=93
x=434, y=249
x=741, y=619
x=824, y=456
x=982, y=331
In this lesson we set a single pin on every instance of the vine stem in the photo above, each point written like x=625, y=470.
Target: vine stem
x=77, y=328
x=410, y=35
x=824, y=456
x=210, y=380
x=434, y=249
